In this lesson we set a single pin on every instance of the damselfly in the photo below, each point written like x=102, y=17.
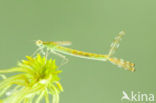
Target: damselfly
x=59, y=49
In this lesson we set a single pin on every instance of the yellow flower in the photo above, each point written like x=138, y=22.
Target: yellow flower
x=33, y=81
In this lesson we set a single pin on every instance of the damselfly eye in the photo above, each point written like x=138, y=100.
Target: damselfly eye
x=39, y=42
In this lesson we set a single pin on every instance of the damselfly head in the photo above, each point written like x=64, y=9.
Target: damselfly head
x=39, y=42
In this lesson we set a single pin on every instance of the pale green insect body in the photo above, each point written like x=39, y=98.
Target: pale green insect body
x=81, y=54
x=55, y=47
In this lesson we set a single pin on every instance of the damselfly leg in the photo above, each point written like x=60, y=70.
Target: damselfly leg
x=64, y=61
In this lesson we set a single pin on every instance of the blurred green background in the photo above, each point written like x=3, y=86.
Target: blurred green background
x=91, y=25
